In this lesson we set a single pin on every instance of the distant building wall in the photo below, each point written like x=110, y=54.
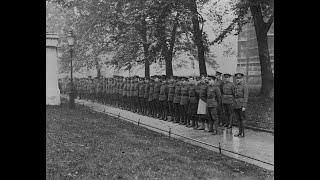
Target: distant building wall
x=248, y=55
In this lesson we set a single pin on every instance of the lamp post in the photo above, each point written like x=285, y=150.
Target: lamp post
x=71, y=40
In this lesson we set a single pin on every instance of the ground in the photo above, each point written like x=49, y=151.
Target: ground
x=84, y=145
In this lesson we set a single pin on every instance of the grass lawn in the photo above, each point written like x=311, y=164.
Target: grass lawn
x=85, y=145
x=260, y=112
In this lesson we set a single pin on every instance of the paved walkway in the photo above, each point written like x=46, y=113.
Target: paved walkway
x=259, y=145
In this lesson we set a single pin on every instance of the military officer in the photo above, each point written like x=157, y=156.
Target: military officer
x=193, y=103
x=184, y=102
x=122, y=87
x=146, y=97
x=219, y=83
x=171, y=90
x=163, y=96
x=202, y=94
x=176, y=102
x=135, y=94
x=241, y=98
x=227, y=99
x=141, y=85
x=156, y=93
x=107, y=94
x=213, y=101
x=150, y=100
x=127, y=91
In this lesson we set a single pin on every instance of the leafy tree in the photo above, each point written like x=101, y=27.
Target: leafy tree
x=262, y=15
x=163, y=28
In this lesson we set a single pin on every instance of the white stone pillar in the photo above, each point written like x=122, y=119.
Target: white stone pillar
x=52, y=88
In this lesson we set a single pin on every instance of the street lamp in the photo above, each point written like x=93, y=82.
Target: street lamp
x=71, y=40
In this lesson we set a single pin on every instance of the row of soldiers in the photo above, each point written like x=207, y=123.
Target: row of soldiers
x=198, y=102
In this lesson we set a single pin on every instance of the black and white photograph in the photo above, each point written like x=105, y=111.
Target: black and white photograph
x=159, y=89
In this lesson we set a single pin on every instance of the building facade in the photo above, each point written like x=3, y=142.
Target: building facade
x=248, y=55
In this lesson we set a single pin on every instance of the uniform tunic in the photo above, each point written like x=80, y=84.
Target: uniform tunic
x=146, y=91
x=193, y=100
x=213, y=96
x=171, y=90
x=151, y=89
x=241, y=95
x=128, y=89
x=124, y=89
x=156, y=90
x=163, y=92
x=184, y=95
x=136, y=89
x=228, y=93
x=177, y=94
x=132, y=89
x=141, y=90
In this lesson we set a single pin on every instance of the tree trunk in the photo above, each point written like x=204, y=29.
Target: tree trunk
x=261, y=29
x=143, y=35
x=146, y=61
x=197, y=33
x=169, y=55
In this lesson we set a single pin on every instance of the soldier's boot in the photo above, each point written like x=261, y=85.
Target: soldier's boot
x=210, y=126
x=230, y=122
x=185, y=120
x=180, y=119
x=202, y=126
x=196, y=122
x=189, y=123
x=165, y=116
x=196, y=125
x=161, y=114
x=215, y=124
x=176, y=118
x=242, y=130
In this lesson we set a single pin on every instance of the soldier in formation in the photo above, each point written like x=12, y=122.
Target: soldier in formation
x=173, y=99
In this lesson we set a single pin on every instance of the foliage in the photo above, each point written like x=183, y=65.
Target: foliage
x=128, y=26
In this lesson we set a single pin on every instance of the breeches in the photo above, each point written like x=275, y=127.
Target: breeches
x=213, y=113
x=240, y=115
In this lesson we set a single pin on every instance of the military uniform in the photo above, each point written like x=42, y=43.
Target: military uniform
x=193, y=105
x=119, y=92
x=227, y=100
x=124, y=94
x=176, y=102
x=202, y=91
x=150, y=99
x=184, y=102
x=146, y=110
x=163, y=96
x=219, y=83
x=121, y=95
x=213, y=101
x=135, y=95
x=241, y=98
x=140, y=96
x=107, y=93
x=171, y=90
x=92, y=90
x=156, y=93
